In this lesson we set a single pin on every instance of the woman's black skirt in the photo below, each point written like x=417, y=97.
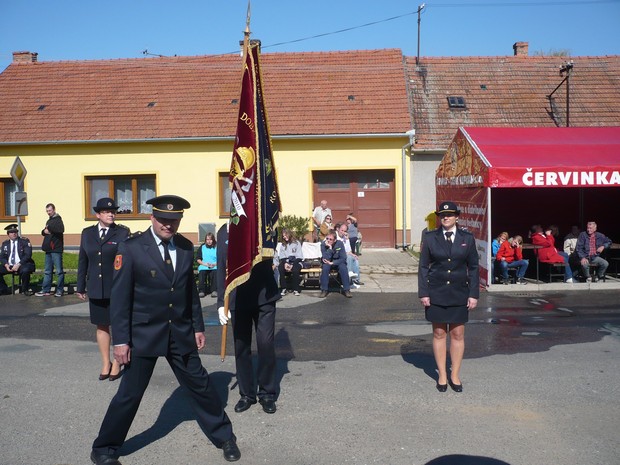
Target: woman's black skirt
x=450, y=315
x=99, y=311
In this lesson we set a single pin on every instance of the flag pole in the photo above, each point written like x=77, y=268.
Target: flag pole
x=246, y=43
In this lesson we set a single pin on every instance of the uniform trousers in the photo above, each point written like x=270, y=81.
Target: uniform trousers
x=191, y=375
x=262, y=319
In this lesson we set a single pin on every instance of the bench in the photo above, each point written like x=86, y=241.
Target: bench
x=311, y=265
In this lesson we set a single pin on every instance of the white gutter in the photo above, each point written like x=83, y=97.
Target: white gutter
x=208, y=139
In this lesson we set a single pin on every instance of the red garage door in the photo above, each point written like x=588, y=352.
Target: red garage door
x=368, y=194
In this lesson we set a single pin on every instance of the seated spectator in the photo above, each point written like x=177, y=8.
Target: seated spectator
x=290, y=258
x=495, y=245
x=547, y=253
x=16, y=257
x=510, y=255
x=570, y=241
x=497, y=242
x=326, y=227
x=334, y=256
x=206, y=256
x=570, y=247
x=590, y=245
x=352, y=231
x=353, y=264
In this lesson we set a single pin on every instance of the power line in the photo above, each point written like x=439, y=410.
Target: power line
x=444, y=5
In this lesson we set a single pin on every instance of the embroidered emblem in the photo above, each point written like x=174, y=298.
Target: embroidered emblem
x=118, y=262
x=169, y=206
x=153, y=273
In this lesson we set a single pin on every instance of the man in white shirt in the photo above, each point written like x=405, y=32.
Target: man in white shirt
x=318, y=216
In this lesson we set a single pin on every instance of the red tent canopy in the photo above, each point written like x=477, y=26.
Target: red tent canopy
x=546, y=157
x=493, y=173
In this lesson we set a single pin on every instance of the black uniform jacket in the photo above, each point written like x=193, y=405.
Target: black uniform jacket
x=146, y=307
x=260, y=289
x=96, y=260
x=448, y=275
x=336, y=253
x=24, y=249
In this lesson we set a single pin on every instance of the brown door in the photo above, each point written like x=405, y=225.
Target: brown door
x=368, y=194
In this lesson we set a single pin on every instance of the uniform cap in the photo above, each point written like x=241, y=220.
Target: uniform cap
x=105, y=203
x=448, y=207
x=11, y=228
x=168, y=206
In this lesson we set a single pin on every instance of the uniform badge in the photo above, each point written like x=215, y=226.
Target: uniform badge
x=153, y=273
x=118, y=262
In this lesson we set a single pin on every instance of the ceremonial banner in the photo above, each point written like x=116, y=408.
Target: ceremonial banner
x=255, y=201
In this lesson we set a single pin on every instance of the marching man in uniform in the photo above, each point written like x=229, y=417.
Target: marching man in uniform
x=155, y=311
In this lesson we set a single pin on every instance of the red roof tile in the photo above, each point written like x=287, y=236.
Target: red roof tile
x=515, y=93
x=185, y=97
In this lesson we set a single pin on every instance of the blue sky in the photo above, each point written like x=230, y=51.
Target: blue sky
x=89, y=29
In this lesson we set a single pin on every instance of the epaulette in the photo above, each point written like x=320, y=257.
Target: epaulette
x=122, y=226
x=465, y=231
x=133, y=235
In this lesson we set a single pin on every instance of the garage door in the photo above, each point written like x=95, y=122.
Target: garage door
x=368, y=194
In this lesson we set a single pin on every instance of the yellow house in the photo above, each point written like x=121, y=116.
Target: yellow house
x=135, y=128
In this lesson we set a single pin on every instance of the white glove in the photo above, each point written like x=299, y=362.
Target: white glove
x=223, y=318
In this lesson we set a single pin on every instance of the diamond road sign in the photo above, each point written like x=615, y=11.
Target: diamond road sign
x=18, y=173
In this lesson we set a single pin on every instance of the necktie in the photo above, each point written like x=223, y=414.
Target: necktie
x=167, y=260
x=12, y=259
x=449, y=237
x=103, y=230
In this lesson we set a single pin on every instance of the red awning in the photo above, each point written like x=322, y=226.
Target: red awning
x=547, y=157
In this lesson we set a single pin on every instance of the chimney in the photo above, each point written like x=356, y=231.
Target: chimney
x=520, y=49
x=25, y=57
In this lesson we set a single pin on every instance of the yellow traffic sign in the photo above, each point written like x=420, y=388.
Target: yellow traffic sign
x=18, y=173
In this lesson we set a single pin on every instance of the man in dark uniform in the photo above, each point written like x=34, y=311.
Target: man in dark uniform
x=253, y=304
x=155, y=312
x=16, y=257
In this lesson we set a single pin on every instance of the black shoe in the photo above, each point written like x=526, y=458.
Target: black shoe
x=323, y=294
x=269, y=406
x=29, y=293
x=358, y=282
x=348, y=294
x=231, y=451
x=104, y=459
x=441, y=387
x=116, y=376
x=455, y=387
x=244, y=404
x=104, y=376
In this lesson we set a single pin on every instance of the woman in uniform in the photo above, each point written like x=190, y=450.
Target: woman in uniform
x=448, y=287
x=98, y=246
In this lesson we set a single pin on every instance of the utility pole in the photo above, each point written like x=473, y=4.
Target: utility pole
x=420, y=8
x=567, y=68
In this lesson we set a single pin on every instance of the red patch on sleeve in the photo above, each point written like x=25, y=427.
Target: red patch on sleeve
x=118, y=262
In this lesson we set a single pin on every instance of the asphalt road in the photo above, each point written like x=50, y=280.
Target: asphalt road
x=541, y=386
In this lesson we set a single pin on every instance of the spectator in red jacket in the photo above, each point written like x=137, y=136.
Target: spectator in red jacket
x=547, y=253
x=510, y=255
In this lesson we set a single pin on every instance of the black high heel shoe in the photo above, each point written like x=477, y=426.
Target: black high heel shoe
x=103, y=377
x=441, y=387
x=455, y=387
x=116, y=376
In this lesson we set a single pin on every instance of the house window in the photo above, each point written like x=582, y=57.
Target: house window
x=129, y=192
x=7, y=199
x=224, y=194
